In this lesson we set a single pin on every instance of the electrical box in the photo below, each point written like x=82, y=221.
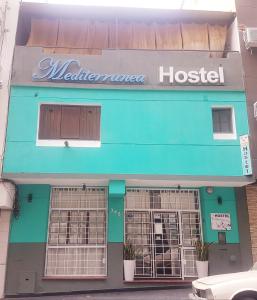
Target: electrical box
x=250, y=37
x=7, y=194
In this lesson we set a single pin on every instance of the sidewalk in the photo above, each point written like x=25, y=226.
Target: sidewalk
x=169, y=294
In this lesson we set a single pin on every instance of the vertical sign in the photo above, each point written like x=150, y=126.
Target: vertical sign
x=245, y=154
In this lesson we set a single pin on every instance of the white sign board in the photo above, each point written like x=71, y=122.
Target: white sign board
x=245, y=154
x=220, y=221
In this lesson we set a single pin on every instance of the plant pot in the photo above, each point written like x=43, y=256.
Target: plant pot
x=129, y=269
x=202, y=268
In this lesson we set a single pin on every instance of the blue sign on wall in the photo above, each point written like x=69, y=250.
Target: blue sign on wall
x=71, y=71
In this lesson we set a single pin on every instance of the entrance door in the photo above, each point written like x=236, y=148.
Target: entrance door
x=166, y=241
x=163, y=225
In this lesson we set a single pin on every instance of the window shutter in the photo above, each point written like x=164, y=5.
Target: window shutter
x=50, y=121
x=70, y=122
x=90, y=123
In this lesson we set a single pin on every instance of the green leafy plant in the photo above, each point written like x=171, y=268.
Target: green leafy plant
x=202, y=250
x=129, y=251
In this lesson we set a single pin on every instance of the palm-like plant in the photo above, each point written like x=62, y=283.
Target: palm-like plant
x=202, y=250
x=129, y=252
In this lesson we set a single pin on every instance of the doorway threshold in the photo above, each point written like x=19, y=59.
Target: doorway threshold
x=161, y=281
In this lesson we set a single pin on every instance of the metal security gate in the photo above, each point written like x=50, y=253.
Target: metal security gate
x=163, y=225
x=76, y=244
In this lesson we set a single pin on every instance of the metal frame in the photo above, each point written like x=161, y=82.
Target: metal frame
x=183, y=255
x=80, y=256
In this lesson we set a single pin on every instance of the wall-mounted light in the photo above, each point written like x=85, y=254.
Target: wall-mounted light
x=30, y=197
x=209, y=190
x=66, y=143
x=219, y=200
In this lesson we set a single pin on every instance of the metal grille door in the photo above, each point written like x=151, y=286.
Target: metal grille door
x=138, y=231
x=163, y=225
x=166, y=242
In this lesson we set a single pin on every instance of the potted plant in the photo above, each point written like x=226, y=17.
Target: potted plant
x=202, y=255
x=129, y=257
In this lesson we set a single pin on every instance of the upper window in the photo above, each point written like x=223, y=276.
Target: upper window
x=223, y=123
x=70, y=125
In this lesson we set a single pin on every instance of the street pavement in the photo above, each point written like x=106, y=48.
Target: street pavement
x=167, y=294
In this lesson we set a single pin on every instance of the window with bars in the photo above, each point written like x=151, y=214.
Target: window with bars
x=69, y=122
x=77, y=233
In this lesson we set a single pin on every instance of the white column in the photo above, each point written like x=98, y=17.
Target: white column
x=4, y=236
x=9, y=10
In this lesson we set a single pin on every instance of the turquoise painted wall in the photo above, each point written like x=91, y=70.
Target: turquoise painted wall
x=117, y=190
x=142, y=132
x=32, y=223
x=209, y=204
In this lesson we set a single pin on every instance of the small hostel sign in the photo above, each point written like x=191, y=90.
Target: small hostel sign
x=220, y=221
x=245, y=154
x=70, y=70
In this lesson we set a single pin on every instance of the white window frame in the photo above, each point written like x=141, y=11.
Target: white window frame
x=101, y=246
x=225, y=136
x=67, y=142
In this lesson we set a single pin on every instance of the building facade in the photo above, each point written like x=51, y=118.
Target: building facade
x=131, y=128
x=246, y=20
x=8, y=25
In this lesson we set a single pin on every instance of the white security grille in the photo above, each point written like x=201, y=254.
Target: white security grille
x=189, y=262
x=190, y=222
x=138, y=231
x=163, y=225
x=77, y=232
x=174, y=199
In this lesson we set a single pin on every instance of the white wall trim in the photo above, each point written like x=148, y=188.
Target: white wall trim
x=224, y=136
x=103, y=180
x=70, y=143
